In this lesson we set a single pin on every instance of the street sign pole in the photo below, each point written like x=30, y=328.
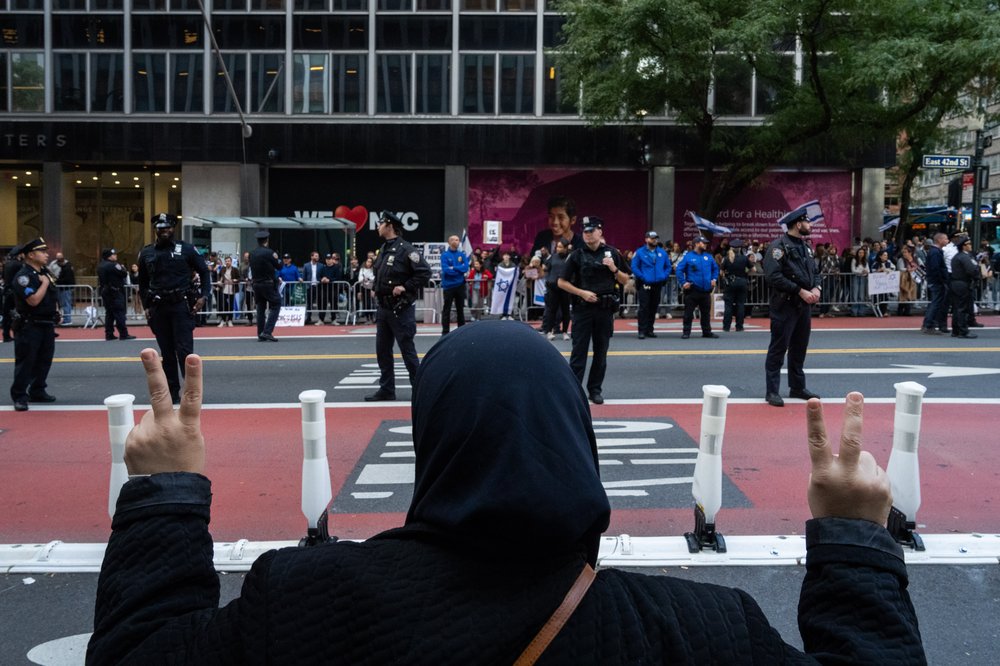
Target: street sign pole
x=977, y=192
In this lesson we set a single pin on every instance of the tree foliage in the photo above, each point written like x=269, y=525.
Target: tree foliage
x=866, y=72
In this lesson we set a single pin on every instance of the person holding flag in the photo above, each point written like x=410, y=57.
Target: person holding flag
x=790, y=271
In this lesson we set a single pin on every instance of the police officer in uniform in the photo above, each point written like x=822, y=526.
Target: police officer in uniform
x=790, y=271
x=11, y=268
x=399, y=272
x=735, y=285
x=592, y=274
x=166, y=269
x=34, y=327
x=263, y=264
x=111, y=277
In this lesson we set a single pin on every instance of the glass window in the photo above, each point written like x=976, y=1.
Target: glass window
x=107, y=4
x=517, y=84
x=222, y=100
x=70, y=81
x=478, y=5
x=69, y=5
x=330, y=32
x=27, y=77
x=107, y=79
x=149, y=82
x=267, y=83
x=433, y=83
x=350, y=5
x=552, y=31
x=311, y=6
x=517, y=5
x=88, y=31
x=176, y=31
x=229, y=5
x=310, y=83
x=268, y=5
x=395, y=5
x=497, y=33
x=433, y=5
x=393, y=84
x=554, y=90
x=27, y=4
x=477, y=93
x=732, y=86
x=140, y=5
x=350, y=79
x=778, y=77
x=413, y=32
x=186, y=89
x=3, y=81
x=23, y=31
x=249, y=32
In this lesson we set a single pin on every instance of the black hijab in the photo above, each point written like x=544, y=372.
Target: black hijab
x=496, y=459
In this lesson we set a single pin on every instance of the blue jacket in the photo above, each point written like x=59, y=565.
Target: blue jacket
x=454, y=266
x=651, y=266
x=289, y=273
x=698, y=269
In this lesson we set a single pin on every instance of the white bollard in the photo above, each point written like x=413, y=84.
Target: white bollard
x=904, y=467
x=121, y=420
x=707, y=486
x=316, y=488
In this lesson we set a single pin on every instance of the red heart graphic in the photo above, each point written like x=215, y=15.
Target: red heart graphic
x=358, y=215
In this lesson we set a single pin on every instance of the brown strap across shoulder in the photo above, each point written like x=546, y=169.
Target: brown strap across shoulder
x=555, y=623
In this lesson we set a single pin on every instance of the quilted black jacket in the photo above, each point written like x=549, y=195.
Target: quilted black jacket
x=397, y=599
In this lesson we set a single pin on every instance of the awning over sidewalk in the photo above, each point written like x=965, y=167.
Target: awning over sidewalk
x=304, y=223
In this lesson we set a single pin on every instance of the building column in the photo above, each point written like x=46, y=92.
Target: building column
x=872, y=203
x=456, y=200
x=661, y=190
x=52, y=196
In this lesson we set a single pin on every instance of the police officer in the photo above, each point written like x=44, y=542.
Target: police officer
x=790, y=271
x=735, y=285
x=111, y=277
x=399, y=272
x=651, y=268
x=264, y=263
x=11, y=267
x=165, y=286
x=697, y=274
x=591, y=275
x=35, y=326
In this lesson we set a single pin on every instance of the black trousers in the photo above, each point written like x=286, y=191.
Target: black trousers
x=591, y=325
x=648, y=296
x=173, y=326
x=791, y=325
x=401, y=328
x=961, y=303
x=266, y=296
x=34, y=346
x=556, y=309
x=114, y=312
x=735, y=297
x=312, y=303
x=7, y=313
x=454, y=295
x=693, y=298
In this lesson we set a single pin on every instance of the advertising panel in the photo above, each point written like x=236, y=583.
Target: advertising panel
x=359, y=195
x=753, y=214
x=518, y=199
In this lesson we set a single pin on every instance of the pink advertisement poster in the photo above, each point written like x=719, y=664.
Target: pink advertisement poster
x=753, y=214
x=518, y=198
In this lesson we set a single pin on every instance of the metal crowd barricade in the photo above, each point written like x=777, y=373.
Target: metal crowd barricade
x=362, y=303
x=76, y=302
x=477, y=300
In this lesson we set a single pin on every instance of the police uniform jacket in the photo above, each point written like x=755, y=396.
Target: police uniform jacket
x=27, y=282
x=10, y=270
x=651, y=266
x=585, y=269
x=264, y=263
x=111, y=275
x=788, y=267
x=166, y=270
x=737, y=268
x=698, y=269
x=964, y=268
x=399, y=263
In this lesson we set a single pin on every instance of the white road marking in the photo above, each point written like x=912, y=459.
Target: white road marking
x=381, y=474
x=624, y=441
x=664, y=461
x=626, y=493
x=648, y=482
x=371, y=495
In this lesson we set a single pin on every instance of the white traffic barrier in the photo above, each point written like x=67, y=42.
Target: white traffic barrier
x=904, y=466
x=121, y=420
x=707, y=485
x=316, y=488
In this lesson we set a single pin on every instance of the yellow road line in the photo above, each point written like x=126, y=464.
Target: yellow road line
x=638, y=352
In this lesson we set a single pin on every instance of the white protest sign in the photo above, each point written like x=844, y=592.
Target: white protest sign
x=883, y=283
x=291, y=315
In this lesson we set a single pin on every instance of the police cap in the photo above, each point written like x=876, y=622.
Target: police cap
x=591, y=222
x=164, y=221
x=36, y=244
x=701, y=239
x=262, y=234
x=391, y=218
x=14, y=251
x=106, y=254
x=286, y=256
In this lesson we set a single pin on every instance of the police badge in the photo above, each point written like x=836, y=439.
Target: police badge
x=415, y=257
x=777, y=254
x=23, y=280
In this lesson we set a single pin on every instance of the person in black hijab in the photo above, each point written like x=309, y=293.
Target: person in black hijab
x=507, y=509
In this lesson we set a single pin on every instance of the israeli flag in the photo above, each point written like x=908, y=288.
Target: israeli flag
x=811, y=210
x=707, y=225
x=893, y=222
x=465, y=244
x=504, y=288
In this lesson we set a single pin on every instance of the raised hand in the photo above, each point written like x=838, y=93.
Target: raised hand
x=851, y=484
